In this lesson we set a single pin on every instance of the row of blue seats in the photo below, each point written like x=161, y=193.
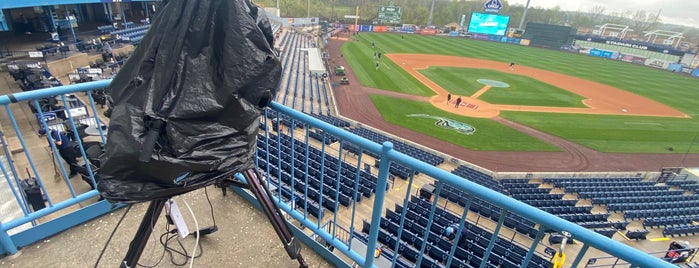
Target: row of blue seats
x=680, y=182
x=608, y=232
x=591, y=179
x=402, y=147
x=642, y=199
x=313, y=194
x=331, y=185
x=630, y=188
x=654, y=213
x=546, y=196
x=133, y=34
x=476, y=204
x=106, y=28
x=442, y=219
x=513, y=191
x=130, y=30
x=303, y=205
x=652, y=205
x=478, y=177
x=681, y=230
x=551, y=203
x=584, y=217
x=690, y=187
x=510, y=185
x=602, y=183
x=316, y=162
x=484, y=208
x=348, y=172
x=293, y=67
x=317, y=159
x=600, y=224
x=489, y=210
x=637, y=234
x=629, y=194
x=299, y=171
x=322, y=137
x=668, y=221
x=566, y=210
x=437, y=250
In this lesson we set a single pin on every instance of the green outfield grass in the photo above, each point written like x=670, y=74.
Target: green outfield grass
x=389, y=76
x=627, y=134
x=489, y=135
x=523, y=90
x=603, y=133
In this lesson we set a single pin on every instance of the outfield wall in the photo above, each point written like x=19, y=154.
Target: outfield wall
x=628, y=51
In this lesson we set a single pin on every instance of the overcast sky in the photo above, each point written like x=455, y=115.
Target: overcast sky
x=683, y=12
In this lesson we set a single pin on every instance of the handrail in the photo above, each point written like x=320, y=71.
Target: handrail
x=548, y=220
x=387, y=156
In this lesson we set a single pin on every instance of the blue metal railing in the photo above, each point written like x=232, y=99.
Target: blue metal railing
x=337, y=175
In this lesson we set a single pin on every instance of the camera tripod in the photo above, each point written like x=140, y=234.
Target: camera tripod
x=253, y=182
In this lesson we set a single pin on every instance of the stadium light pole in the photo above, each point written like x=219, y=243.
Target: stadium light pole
x=429, y=19
x=524, y=15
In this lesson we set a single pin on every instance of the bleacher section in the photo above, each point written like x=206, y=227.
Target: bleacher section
x=132, y=35
x=471, y=245
x=397, y=169
x=328, y=177
x=299, y=89
x=672, y=205
x=484, y=208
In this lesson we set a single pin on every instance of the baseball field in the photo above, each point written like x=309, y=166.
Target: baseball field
x=605, y=105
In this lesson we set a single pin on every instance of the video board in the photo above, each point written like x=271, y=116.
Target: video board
x=485, y=23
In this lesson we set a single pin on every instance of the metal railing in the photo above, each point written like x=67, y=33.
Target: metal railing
x=320, y=181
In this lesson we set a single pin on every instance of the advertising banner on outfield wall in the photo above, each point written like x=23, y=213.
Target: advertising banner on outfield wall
x=657, y=63
x=428, y=31
x=379, y=29
x=604, y=53
x=695, y=73
x=366, y=28
x=480, y=36
x=674, y=67
x=407, y=28
x=632, y=59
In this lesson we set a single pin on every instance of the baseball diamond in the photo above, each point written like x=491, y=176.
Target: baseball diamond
x=578, y=133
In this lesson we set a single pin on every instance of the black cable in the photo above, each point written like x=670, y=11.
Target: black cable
x=172, y=251
x=213, y=218
x=152, y=225
x=112, y=235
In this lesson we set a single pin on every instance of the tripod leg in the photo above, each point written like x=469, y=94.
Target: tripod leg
x=144, y=231
x=274, y=215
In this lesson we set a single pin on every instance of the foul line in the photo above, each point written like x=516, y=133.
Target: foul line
x=480, y=92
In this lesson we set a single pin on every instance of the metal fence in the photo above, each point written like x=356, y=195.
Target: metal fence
x=337, y=185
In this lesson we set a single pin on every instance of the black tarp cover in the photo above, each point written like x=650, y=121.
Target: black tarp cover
x=204, y=70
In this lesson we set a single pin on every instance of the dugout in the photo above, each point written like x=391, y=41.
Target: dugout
x=549, y=35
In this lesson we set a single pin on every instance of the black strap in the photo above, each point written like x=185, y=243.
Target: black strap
x=154, y=127
x=12, y=97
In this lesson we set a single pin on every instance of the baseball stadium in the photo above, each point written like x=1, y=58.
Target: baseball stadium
x=385, y=144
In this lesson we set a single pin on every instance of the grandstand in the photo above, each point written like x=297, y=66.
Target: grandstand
x=331, y=177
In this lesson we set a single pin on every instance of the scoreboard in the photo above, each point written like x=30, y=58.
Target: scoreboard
x=389, y=15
